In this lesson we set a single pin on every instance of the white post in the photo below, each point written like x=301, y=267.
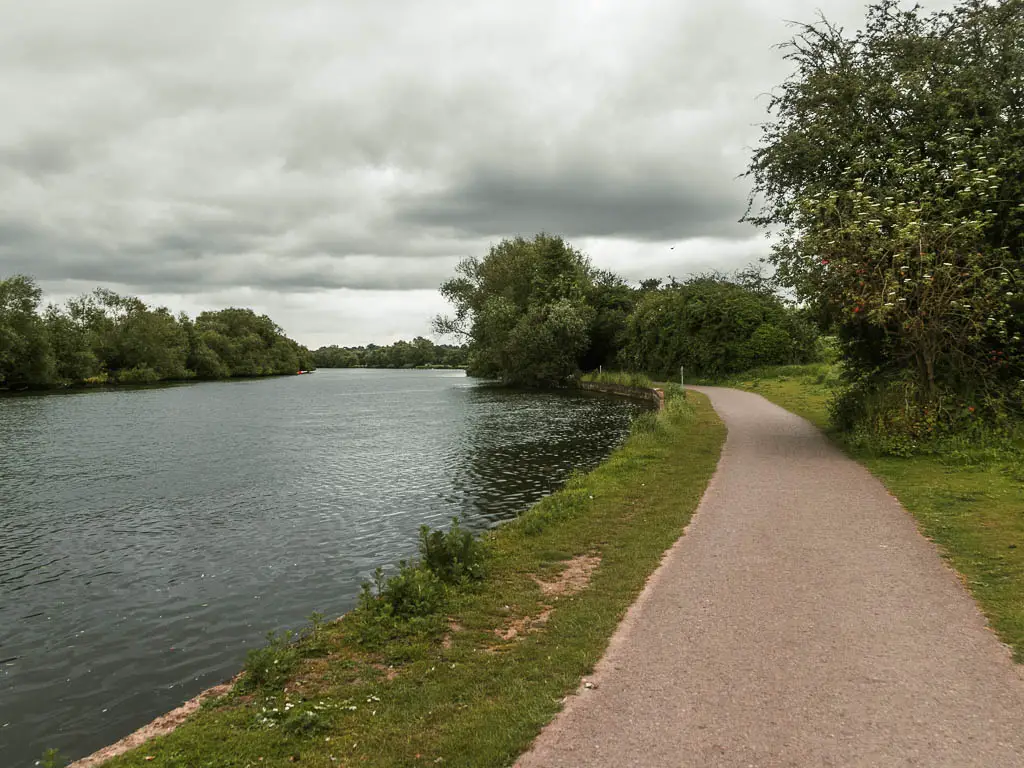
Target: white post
x=682, y=383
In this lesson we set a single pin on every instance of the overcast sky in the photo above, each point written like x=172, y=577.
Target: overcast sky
x=329, y=161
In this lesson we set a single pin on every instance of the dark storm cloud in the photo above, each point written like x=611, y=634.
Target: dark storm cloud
x=584, y=204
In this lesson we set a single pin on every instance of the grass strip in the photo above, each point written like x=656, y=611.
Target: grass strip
x=969, y=502
x=475, y=688
x=622, y=378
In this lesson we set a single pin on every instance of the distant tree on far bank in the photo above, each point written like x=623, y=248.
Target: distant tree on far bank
x=106, y=338
x=419, y=353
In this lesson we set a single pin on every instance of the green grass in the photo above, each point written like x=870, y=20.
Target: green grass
x=458, y=694
x=969, y=501
x=622, y=378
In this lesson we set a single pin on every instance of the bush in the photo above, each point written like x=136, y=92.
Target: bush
x=713, y=327
x=453, y=557
x=404, y=604
x=140, y=374
x=269, y=668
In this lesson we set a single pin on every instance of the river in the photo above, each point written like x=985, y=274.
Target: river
x=149, y=537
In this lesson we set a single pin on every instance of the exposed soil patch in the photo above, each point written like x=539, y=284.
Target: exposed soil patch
x=453, y=627
x=575, y=578
x=525, y=625
x=159, y=727
x=390, y=673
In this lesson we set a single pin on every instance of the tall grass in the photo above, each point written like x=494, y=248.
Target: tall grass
x=622, y=378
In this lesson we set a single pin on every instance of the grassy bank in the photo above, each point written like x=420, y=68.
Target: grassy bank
x=471, y=681
x=620, y=378
x=968, y=499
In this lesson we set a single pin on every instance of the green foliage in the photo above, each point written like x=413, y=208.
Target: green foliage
x=622, y=378
x=407, y=603
x=52, y=759
x=645, y=422
x=524, y=310
x=268, y=668
x=26, y=358
x=454, y=556
x=103, y=337
x=713, y=326
x=535, y=312
x=418, y=353
x=894, y=167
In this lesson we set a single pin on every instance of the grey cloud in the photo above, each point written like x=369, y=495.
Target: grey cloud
x=582, y=204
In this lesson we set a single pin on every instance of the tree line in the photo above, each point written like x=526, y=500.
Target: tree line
x=421, y=352
x=536, y=312
x=105, y=338
x=892, y=167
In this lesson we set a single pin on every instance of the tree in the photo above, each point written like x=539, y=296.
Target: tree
x=894, y=171
x=103, y=337
x=26, y=358
x=523, y=310
x=713, y=326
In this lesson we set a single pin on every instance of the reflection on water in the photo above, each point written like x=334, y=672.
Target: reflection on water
x=149, y=537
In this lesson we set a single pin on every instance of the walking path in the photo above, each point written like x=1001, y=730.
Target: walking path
x=801, y=621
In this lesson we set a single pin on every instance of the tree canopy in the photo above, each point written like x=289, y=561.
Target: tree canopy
x=892, y=169
x=418, y=353
x=536, y=313
x=103, y=337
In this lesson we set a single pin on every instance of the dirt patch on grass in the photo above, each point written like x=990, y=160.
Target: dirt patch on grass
x=525, y=625
x=453, y=627
x=575, y=578
x=159, y=727
x=390, y=673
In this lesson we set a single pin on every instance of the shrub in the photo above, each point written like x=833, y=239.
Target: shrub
x=405, y=604
x=269, y=668
x=140, y=374
x=453, y=557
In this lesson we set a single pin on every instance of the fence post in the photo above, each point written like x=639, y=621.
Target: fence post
x=682, y=381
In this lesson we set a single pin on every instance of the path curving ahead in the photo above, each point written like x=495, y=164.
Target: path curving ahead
x=801, y=621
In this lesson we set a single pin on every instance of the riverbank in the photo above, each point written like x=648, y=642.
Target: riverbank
x=967, y=499
x=473, y=682
x=111, y=384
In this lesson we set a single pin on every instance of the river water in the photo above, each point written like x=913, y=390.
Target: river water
x=149, y=537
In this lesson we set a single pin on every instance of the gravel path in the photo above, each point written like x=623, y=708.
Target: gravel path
x=801, y=621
